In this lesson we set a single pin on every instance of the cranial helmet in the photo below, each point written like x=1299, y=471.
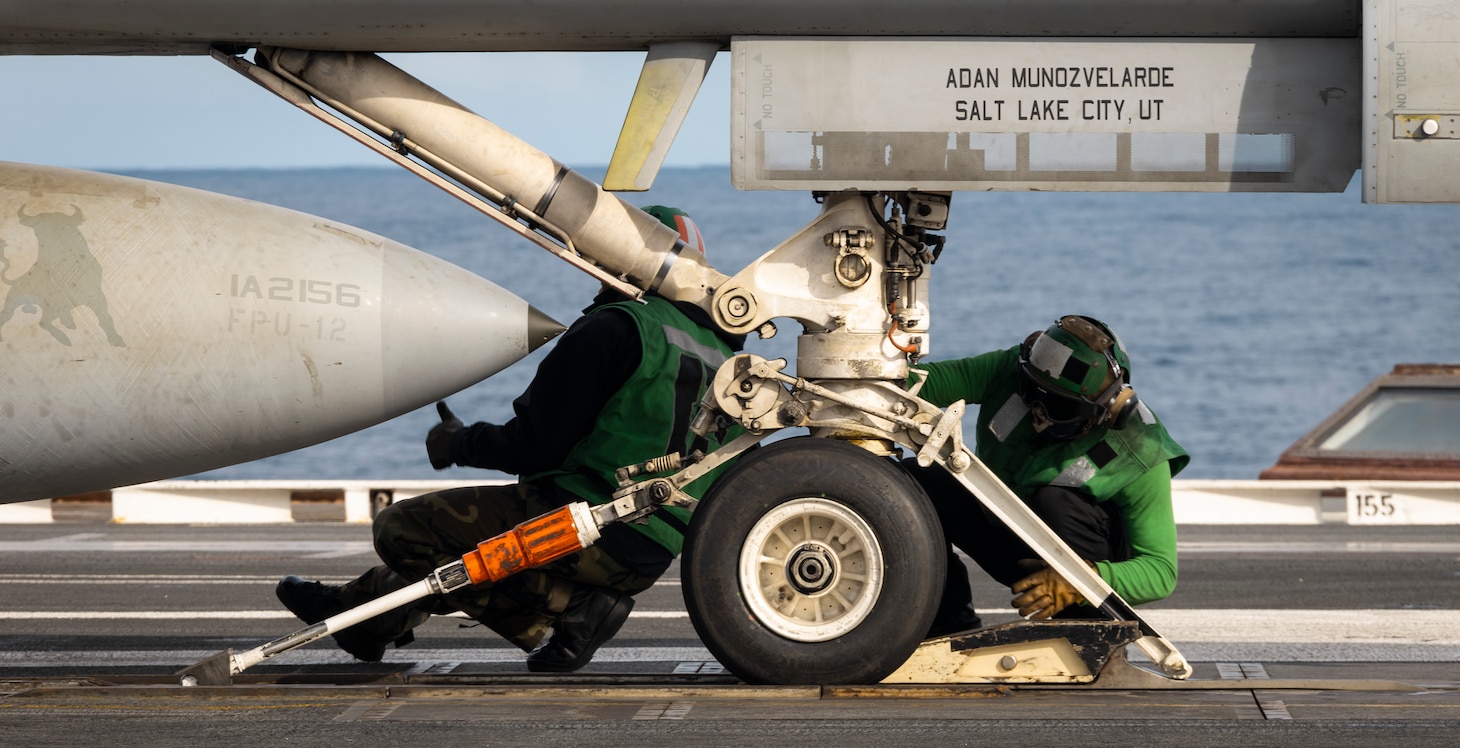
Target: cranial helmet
x=680, y=221
x=1075, y=375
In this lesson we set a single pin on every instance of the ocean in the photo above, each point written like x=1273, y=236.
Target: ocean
x=1249, y=317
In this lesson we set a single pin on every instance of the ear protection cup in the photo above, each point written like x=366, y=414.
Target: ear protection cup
x=1122, y=407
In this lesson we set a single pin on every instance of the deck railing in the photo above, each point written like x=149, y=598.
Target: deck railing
x=1196, y=502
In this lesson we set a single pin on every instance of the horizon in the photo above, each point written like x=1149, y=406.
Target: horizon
x=129, y=113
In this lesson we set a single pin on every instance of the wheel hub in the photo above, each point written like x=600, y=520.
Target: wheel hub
x=811, y=570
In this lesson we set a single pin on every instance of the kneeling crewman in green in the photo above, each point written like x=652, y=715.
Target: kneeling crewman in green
x=619, y=388
x=1059, y=424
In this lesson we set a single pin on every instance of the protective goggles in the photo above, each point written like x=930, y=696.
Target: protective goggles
x=1056, y=413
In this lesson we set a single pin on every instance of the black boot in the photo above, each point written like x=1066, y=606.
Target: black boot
x=313, y=602
x=593, y=616
x=955, y=608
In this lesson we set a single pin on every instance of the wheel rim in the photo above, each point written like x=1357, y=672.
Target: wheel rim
x=811, y=570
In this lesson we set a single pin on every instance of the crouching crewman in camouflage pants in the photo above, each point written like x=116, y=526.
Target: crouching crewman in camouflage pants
x=619, y=388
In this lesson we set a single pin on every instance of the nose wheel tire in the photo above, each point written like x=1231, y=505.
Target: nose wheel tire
x=813, y=561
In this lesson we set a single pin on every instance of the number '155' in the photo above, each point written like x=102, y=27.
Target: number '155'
x=1375, y=505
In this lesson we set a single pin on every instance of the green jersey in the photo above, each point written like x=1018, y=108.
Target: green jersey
x=1131, y=467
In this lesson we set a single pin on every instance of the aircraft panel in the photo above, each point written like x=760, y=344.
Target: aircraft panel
x=1412, y=102
x=192, y=26
x=1045, y=114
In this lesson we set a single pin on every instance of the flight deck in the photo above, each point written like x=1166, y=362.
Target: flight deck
x=1335, y=633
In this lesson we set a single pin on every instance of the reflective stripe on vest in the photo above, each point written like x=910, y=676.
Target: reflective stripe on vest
x=681, y=339
x=1008, y=417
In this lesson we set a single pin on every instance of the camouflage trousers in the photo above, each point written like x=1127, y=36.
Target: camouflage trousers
x=416, y=536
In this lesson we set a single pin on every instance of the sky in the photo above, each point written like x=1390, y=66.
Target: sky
x=124, y=113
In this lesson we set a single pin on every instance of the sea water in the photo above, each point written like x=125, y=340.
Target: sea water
x=1249, y=317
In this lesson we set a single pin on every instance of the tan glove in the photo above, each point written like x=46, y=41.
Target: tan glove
x=1044, y=593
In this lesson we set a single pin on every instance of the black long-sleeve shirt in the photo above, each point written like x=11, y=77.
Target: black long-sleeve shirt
x=587, y=365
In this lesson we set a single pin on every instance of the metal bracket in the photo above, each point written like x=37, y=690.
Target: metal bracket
x=638, y=500
x=1090, y=654
x=947, y=429
x=1020, y=652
